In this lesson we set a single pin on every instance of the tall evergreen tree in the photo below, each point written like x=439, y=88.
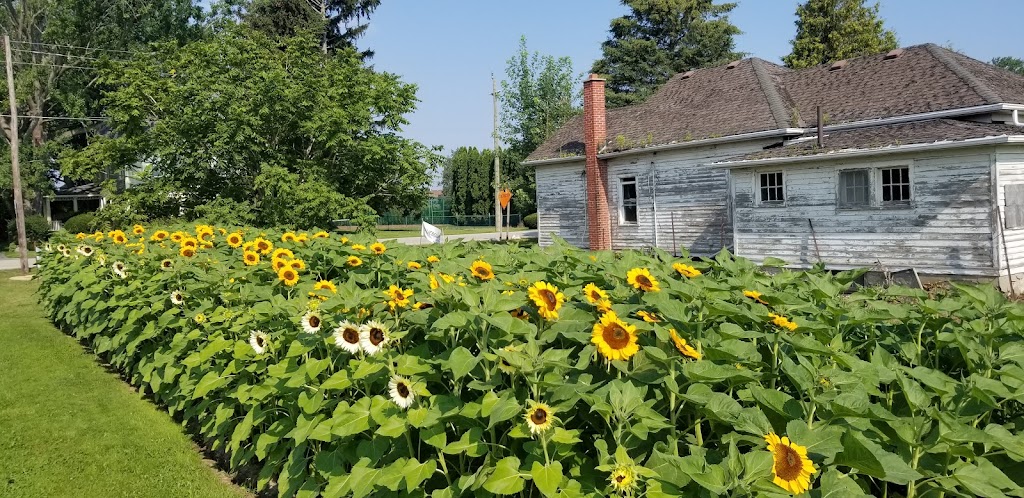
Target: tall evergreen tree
x=830, y=30
x=340, y=22
x=659, y=38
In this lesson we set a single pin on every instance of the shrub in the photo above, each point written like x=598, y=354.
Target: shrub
x=37, y=229
x=80, y=223
x=530, y=221
x=494, y=369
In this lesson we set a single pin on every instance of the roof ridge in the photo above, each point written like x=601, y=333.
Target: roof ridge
x=980, y=87
x=771, y=93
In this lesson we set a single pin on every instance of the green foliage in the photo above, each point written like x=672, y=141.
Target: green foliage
x=302, y=136
x=831, y=30
x=530, y=221
x=80, y=223
x=284, y=19
x=1010, y=64
x=224, y=211
x=660, y=38
x=468, y=181
x=37, y=230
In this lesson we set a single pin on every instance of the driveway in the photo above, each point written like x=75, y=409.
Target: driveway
x=14, y=263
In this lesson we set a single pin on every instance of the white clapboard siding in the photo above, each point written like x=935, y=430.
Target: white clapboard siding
x=1010, y=171
x=562, y=203
x=946, y=229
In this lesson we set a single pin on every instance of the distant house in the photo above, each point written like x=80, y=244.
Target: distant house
x=922, y=165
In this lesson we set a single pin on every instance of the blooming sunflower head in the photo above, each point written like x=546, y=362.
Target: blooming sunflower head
x=615, y=339
x=756, y=296
x=378, y=248
x=177, y=298
x=85, y=250
x=791, y=469
x=321, y=235
x=259, y=341
x=648, y=317
x=353, y=261
x=311, y=322
x=547, y=299
x=539, y=418
x=358, y=247
x=138, y=229
x=288, y=275
x=187, y=252
x=397, y=296
x=288, y=237
x=683, y=347
x=251, y=258
x=482, y=270
x=686, y=270
x=782, y=322
x=189, y=242
x=166, y=265
x=641, y=278
x=81, y=236
x=594, y=294
x=200, y=318
x=346, y=336
x=235, y=239
x=118, y=237
x=624, y=479
x=298, y=264
x=373, y=337
x=344, y=240
x=177, y=237
x=400, y=390
x=326, y=285
x=159, y=236
x=413, y=265
x=282, y=253
x=433, y=259
x=264, y=246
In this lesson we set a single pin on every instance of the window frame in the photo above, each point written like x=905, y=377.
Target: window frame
x=869, y=200
x=909, y=183
x=759, y=177
x=623, y=182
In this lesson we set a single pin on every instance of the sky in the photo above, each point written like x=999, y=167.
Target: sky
x=451, y=48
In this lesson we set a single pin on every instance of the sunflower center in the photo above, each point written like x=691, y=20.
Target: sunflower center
x=376, y=336
x=314, y=321
x=403, y=390
x=594, y=296
x=539, y=416
x=616, y=336
x=643, y=281
x=350, y=335
x=259, y=341
x=788, y=463
x=549, y=298
x=619, y=478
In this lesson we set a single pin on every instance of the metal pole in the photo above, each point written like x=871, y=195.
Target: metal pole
x=19, y=203
x=497, y=160
x=821, y=131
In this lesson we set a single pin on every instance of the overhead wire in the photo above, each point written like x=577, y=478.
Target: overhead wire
x=21, y=50
x=80, y=47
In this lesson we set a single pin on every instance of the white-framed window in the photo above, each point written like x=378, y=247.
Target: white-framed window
x=771, y=190
x=627, y=208
x=895, y=185
x=854, y=188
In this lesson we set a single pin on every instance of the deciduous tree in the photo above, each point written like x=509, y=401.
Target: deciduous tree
x=1010, y=64
x=830, y=30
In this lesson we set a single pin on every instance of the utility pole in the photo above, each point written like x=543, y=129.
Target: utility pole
x=19, y=204
x=497, y=160
x=323, y=14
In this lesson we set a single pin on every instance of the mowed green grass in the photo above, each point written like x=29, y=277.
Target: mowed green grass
x=69, y=428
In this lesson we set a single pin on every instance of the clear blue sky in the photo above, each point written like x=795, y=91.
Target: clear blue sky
x=451, y=48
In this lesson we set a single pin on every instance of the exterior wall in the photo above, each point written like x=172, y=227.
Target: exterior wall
x=562, y=203
x=946, y=229
x=1009, y=161
x=682, y=201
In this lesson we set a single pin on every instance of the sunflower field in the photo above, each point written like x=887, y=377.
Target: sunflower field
x=317, y=365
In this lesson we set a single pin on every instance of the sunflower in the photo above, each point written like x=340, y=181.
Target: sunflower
x=686, y=270
x=177, y=237
x=251, y=258
x=354, y=261
x=683, y=347
x=378, y=248
x=648, y=317
x=539, y=417
x=138, y=229
x=482, y=270
x=433, y=259
x=326, y=285
x=311, y=322
x=235, y=239
x=547, y=299
x=177, y=298
x=401, y=392
x=288, y=237
x=84, y=250
x=259, y=341
x=756, y=296
x=81, y=236
x=186, y=252
x=282, y=253
x=278, y=263
x=594, y=294
x=298, y=264
x=321, y=235
x=264, y=246
x=641, y=278
x=624, y=480
x=118, y=237
x=158, y=235
x=200, y=318
x=433, y=282
x=67, y=252
x=414, y=265
x=373, y=336
x=615, y=339
x=358, y=247
x=302, y=237
x=166, y=265
x=397, y=296
x=344, y=240
x=288, y=275
x=346, y=337
x=422, y=306
x=446, y=277
x=189, y=242
x=119, y=269
x=792, y=469
x=782, y=321
x=604, y=306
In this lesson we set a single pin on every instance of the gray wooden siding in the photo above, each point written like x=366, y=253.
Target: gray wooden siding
x=946, y=229
x=562, y=203
x=1010, y=171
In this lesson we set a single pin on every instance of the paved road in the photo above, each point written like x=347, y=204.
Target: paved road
x=524, y=234
x=14, y=263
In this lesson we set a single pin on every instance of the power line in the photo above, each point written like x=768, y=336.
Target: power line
x=52, y=118
x=62, y=55
x=52, y=65
x=79, y=47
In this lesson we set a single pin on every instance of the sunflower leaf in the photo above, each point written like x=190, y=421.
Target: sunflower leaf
x=506, y=479
x=547, y=477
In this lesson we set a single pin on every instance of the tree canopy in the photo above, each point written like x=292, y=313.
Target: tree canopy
x=830, y=30
x=660, y=38
x=1010, y=64
x=467, y=181
x=339, y=23
x=287, y=133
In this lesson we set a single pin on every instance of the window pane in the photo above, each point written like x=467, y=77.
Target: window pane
x=853, y=188
x=629, y=214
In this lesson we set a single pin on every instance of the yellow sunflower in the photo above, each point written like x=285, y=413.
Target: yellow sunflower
x=187, y=252
x=251, y=258
x=648, y=316
x=159, y=235
x=433, y=259
x=177, y=236
x=354, y=261
x=277, y=263
x=604, y=306
x=792, y=469
x=118, y=237
x=414, y=265
x=624, y=480
x=358, y=247
x=302, y=237
x=433, y=282
x=138, y=229
x=378, y=248
x=298, y=264
x=326, y=285
x=397, y=296
x=686, y=270
x=344, y=240
x=288, y=275
x=235, y=239
x=641, y=278
x=594, y=294
x=81, y=236
x=683, y=347
x=615, y=339
x=190, y=242
x=288, y=237
x=282, y=253
x=756, y=296
x=539, y=417
x=482, y=270
x=321, y=235
x=264, y=246
x=782, y=321
x=547, y=299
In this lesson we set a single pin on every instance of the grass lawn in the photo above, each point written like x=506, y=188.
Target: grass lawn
x=70, y=428
x=448, y=230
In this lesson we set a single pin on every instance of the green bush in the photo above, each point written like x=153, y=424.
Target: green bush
x=81, y=223
x=530, y=221
x=37, y=229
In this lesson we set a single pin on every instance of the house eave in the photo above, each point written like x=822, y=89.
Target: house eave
x=854, y=153
x=705, y=142
x=947, y=113
x=554, y=160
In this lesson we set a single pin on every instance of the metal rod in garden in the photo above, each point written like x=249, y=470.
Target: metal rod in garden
x=19, y=204
x=497, y=161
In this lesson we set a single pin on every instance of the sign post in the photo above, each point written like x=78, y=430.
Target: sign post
x=504, y=197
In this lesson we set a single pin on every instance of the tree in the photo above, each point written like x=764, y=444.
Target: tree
x=539, y=95
x=339, y=22
x=295, y=135
x=467, y=181
x=660, y=38
x=1010, y=64
x=831, y=30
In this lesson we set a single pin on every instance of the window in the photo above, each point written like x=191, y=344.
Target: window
x=771, y=188
x=1013, y=196
x=628, y=213
x=896, y=185
x=854, y=188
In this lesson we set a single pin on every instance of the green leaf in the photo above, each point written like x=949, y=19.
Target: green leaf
x=506, y=408
x=461, y=362
x=506, y=479
x=471, y=443
x=209, y=382
x=867, y=457
x=547, y=477
x=416, y=472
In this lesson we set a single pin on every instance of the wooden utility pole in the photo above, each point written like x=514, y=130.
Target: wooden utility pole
x=19, y=204
x=497, y=161
x=323, y=14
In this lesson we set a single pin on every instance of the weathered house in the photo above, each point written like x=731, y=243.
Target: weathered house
x=921, y=165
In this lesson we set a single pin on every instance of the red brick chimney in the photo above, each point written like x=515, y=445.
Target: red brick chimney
x=594, y=135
